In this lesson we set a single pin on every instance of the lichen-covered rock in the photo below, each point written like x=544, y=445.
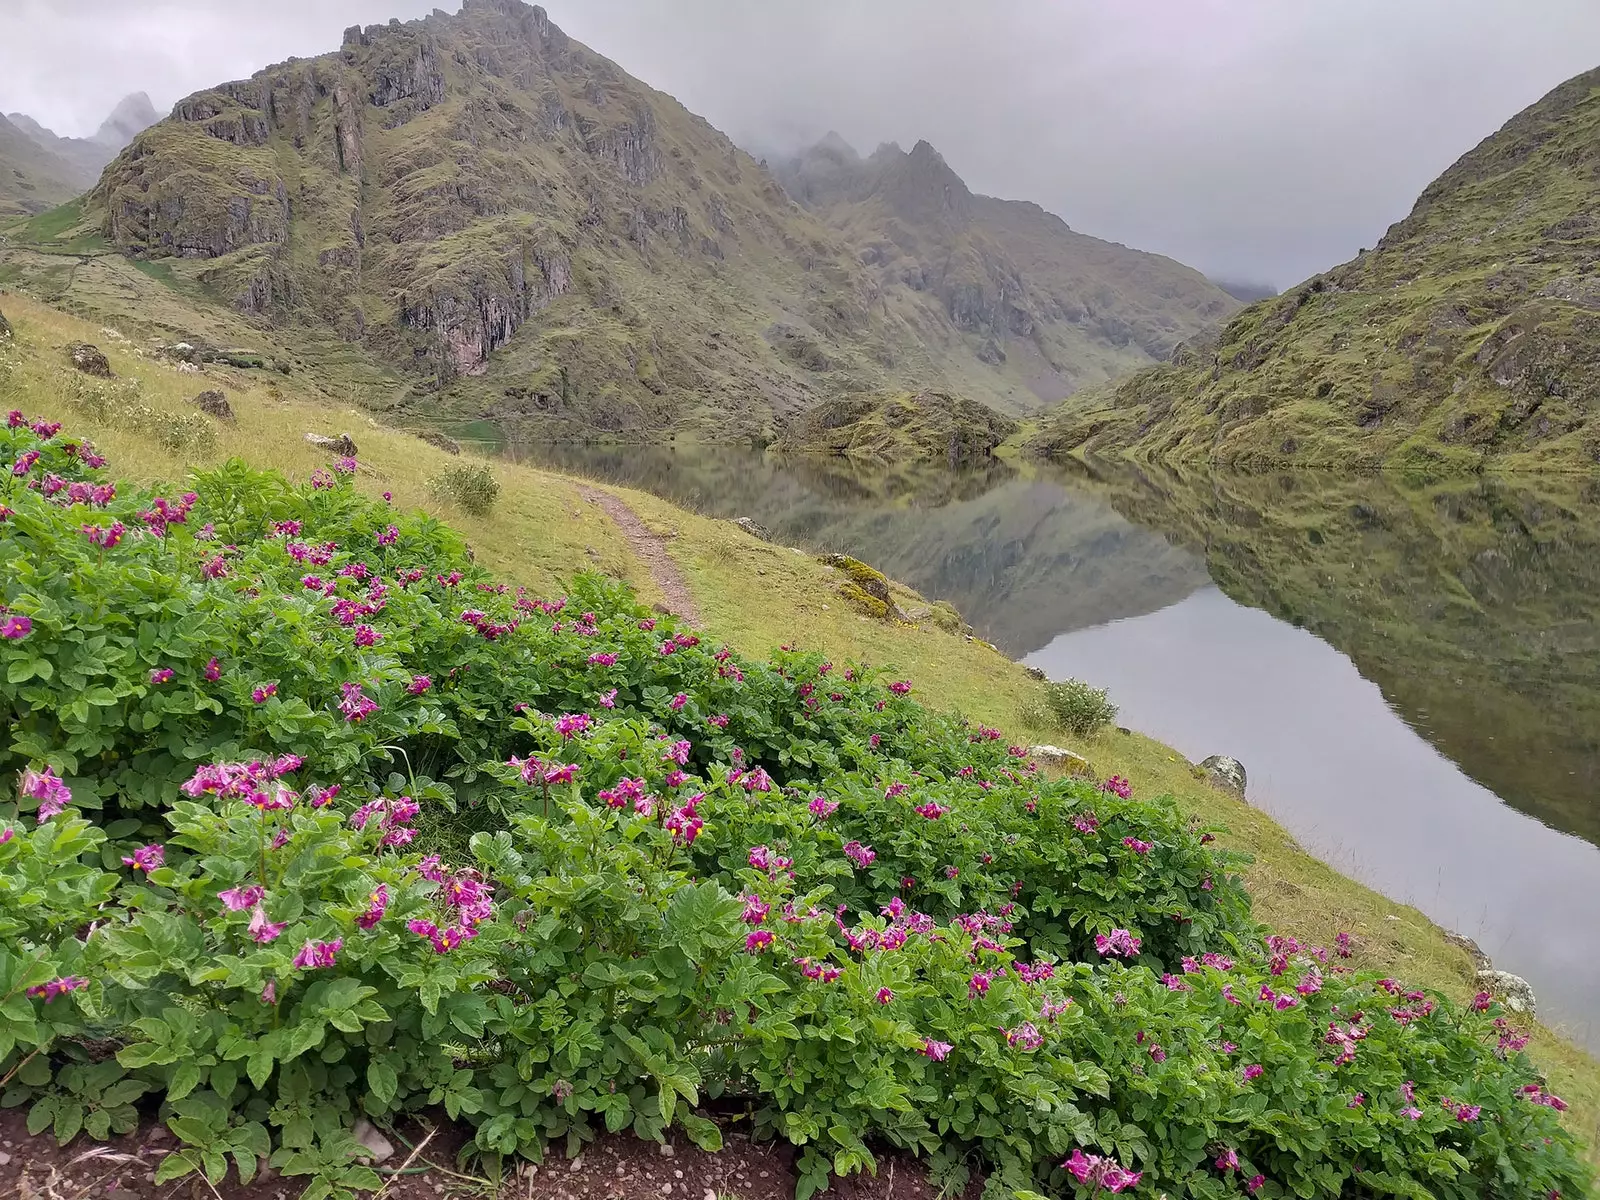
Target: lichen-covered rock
x=214, y=404
x=865, y=588
x=750, y=526
x=342, y=445
x=440, y=441
x=1061, y=759
x=1226, y=773
x=948, y=618
x=1513, y=990
x=89, y=360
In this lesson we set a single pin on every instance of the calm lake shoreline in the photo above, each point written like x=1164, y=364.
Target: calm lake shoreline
x=1339, y=636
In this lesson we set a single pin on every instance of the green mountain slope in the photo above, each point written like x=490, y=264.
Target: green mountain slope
x=1042, y=310
x=31, y=178
x=474, y=217
x=1470, y=334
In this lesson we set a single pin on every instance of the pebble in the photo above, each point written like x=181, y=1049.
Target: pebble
x=5, y=1159
x=764, y=1174
x=666, y=1189
x=666, y=1150
x=679, y=1174
x=711, y=1194
x=576, y=1165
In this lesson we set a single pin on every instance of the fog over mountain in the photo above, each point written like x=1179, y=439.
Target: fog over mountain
x=1256, y=140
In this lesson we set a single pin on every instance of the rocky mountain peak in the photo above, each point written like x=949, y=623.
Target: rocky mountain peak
x=920, y=186
x=131, y=117
x=833, y=143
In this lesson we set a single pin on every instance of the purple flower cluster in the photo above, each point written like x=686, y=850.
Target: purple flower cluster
x=1101, y=1174
x=45, y=787
x=1118, y=943
x=465, y=903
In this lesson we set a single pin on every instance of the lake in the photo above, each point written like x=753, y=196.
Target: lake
x=1409, y=671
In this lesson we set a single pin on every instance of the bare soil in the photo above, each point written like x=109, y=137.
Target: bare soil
x=615, y=1167
x=652, y=551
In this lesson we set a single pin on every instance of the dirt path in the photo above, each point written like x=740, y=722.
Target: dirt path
x=652, y=550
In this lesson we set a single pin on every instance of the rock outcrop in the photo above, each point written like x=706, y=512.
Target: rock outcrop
x=214, y=404
x=866, y=589
x=89, y=360
x=342, y=445
x=440, y=441
x=1515, y=991
x=1226, y=773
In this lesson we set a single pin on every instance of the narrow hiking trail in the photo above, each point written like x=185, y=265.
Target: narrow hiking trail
x=652, y=551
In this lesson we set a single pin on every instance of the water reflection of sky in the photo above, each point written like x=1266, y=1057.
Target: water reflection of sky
x=1355, y=784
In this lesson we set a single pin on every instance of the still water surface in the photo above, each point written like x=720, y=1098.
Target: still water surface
x=1411, y=675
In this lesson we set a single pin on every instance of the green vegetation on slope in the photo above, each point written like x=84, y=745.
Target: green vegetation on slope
x=1469, y=336
x=753, y=595
x=927, y=427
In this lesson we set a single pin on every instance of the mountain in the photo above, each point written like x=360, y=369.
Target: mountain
x=1469, y=337
x=1046, y=310
x=473, y=217
x=87, y=157
x=32, y=179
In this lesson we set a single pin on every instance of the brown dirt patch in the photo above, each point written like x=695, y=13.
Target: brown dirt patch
x=651, y=550
x=615, y=1167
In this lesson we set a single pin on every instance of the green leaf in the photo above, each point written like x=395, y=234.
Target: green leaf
x=69, y=1121
x=185, y=1078
x=702, y=1132
x=383, y=1081
x=259, y=1068
x=176, y=1166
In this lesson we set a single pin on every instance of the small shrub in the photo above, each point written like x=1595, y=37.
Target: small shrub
x=185, y=432
x=1079, y=708
x=473, y=487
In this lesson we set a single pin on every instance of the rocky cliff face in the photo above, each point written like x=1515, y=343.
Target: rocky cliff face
x=1468, y=337
x=512, y=228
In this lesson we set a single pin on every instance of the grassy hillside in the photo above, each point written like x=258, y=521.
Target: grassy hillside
x=473, y=217
x=752, y=594
x=1468, y=337
x=1047, y=310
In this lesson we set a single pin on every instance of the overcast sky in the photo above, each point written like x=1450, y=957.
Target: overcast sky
x=1255, y=139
